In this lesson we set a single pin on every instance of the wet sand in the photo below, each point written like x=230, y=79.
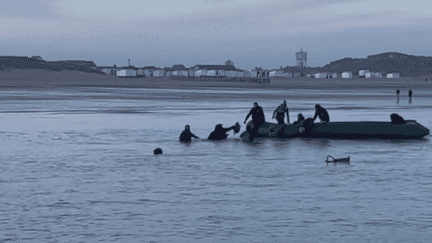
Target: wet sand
x=51, y=79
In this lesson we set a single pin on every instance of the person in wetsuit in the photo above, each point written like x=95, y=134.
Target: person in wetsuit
x=321, y=113
x=220, y=132
x=186, y=135
x=280, y=113
x=258, y=119
x=300, y=119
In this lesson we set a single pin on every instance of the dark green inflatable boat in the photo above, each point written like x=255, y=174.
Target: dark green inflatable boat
x=343, y=130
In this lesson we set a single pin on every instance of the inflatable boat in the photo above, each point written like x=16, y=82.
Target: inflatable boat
x=342, y=130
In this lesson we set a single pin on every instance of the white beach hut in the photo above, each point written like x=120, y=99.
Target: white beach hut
x=288, y=75
x=347, y=74
x=362, y=73
x=393, y=75
x=321, y=75
x=211, y=73
x=126, y=72
x=276, y=73
x=159, y=73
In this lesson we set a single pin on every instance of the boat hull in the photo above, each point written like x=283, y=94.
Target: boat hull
x=343, y=130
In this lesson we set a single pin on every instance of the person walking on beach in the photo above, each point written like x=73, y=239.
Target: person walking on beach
x=280, y=113
x=321, y=113
x=186, y=135
x=410, y=93
x=397, y=94
x=258, y=119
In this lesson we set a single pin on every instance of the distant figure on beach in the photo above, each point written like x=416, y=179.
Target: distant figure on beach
x=321, y=113
x=300, y=119
x=397, y=94
x=280, y=113
x=410, y=93
x=219, y=132
x=186, y=135
x=258, y=119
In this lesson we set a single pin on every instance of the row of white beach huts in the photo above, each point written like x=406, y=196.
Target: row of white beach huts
x=230, y=71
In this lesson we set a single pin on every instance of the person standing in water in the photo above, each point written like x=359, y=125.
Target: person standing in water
x=258, y=119
x=186, y=135
x=280, y=113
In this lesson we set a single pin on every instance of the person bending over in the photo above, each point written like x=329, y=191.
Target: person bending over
x=220, y=132
x=321, y=113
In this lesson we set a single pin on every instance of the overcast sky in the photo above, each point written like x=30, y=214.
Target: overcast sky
x=252, y=33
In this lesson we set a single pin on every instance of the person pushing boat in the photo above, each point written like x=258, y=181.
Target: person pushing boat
x=186, y=135
x=258, y=119
x=321, y=113
x=279, y=113
x=220, y=132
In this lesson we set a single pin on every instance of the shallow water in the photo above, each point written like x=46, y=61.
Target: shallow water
x=77, y=166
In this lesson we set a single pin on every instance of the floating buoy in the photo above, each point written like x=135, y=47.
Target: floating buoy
x=157, y=151
x=340, y=160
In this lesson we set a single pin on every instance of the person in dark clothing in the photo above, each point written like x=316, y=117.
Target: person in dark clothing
x=220, y=132
x=186, y=135
x=397, y=93
x=396, y=119
x=300, y=119
x=321, y=113
x=410, y=93
x=258, y=119
x=280, y=113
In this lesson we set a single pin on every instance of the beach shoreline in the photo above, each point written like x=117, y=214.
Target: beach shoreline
x=22, y=79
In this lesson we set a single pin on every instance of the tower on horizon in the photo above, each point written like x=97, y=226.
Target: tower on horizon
x=301, y=58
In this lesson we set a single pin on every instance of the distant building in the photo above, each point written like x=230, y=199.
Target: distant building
x=148, y=70
x=393, y=75
x=297, y=74
x=288, y=75
x=321, y=75
x=301, y=58
x=127, y=72
x=276, y=73
x=308, y=75
x=362, y=73
x=334, y=75
x=158, y=73
x=347, y=74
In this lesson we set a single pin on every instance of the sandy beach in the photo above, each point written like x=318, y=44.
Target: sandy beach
x=52, y=79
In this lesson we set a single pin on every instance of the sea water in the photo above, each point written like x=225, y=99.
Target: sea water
x=77, y=165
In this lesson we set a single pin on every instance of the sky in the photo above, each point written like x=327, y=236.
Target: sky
x=251, y=33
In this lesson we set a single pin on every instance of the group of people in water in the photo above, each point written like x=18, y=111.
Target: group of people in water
x=258, y=119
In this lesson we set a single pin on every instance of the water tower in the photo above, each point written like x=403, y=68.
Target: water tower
x=301, y=58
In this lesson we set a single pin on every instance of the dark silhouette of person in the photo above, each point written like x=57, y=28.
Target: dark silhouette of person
x=280, y=113
x=410, y=93
x=321, y=113
x=397, y=93
x=186, y=135
x=220, y=132
x=258, y=119
x=300, y=119
x=396, y=119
